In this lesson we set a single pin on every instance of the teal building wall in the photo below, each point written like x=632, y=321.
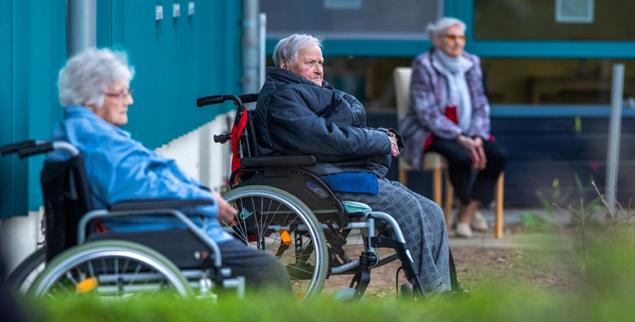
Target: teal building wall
x=176, y=59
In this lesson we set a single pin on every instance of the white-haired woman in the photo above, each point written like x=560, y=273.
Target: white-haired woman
x=449, y=114
x=298, y=112
x=94, y=88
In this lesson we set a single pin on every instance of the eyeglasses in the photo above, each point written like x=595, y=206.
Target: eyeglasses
x=121, y=95
x=314, y=64
x=454, y=37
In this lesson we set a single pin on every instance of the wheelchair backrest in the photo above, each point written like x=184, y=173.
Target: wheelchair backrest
x=66, y=198
x=282, y=173
x=243, y=138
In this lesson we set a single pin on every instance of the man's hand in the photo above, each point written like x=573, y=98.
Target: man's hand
x=394, y=146
x=226, y=213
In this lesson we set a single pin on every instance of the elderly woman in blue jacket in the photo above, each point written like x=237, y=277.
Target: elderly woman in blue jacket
x=94, y=90
x=298, y=112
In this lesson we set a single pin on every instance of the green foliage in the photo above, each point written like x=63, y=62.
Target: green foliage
x=532, y=221
x=603, y=294
x=603, y=261
x=497, y=303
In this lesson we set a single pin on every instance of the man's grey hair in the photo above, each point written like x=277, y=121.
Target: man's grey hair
x=287, y=48
x=440, y=26
x=84, y=78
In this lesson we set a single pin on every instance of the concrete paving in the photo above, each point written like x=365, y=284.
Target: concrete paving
x=514, y=239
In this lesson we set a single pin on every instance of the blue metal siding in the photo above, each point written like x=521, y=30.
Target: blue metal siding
x=35, y=33
x=6, y=105
x=176, y=60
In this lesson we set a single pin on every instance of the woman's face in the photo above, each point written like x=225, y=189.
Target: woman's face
x=308, y=64
x=452, y=41
x=117, y=98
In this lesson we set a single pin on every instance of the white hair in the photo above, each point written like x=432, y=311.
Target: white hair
x=436, y=29
x=287, y=48
x=84, y=78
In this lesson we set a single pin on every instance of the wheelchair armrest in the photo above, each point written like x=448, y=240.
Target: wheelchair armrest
x=278, y=161
x=149, y=204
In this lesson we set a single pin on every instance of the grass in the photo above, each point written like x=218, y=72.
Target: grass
x=604, y=293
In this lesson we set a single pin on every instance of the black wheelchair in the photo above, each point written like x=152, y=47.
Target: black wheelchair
x=291, y=213
x=79, y=256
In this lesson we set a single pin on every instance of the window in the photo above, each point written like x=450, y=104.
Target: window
x=541, y=19
x=350, y=18
x=553, y=81
x=507, y=81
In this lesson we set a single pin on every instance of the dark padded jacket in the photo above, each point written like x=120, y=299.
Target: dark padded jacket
x=294, y=116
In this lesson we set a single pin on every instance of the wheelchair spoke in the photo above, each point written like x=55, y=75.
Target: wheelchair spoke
x=270, y=220
x=275, y=212
x=103, y=265
x=125, y=266
x=238, y=228
x=292, y=268
x=260, y=233
x=136, y=272
x=91, y=270
x=69, y=277
x=51, y=297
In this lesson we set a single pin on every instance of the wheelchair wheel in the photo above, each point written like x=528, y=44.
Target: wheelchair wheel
x=109, y=268
x=25, y=273
x=275, y=221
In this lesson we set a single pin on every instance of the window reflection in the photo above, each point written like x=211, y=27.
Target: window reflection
x=507, y=81
x=553, y=81
x=350, y=19
x=536, y=20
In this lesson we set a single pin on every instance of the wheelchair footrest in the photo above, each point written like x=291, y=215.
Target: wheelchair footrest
x=361, y=280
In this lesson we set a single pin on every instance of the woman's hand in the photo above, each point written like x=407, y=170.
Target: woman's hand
x=475, y=149
x=226, y=213
x=394, y=147
x=480, y=151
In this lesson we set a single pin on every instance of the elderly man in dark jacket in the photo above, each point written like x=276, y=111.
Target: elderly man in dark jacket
x=300, y=113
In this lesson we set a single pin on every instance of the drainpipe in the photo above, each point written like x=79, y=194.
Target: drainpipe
x=262, y=35
x=615, y=127
x=82, y=25
x=250, y=46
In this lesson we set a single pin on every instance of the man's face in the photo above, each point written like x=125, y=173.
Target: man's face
x=451, y=42
x=308, y=64
x=117, y=98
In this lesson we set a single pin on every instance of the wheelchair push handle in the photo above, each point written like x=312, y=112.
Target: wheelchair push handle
x=209, y=100
x=222, y=138
x=217, y=99
x=16, y=147
x=44, y=147
x=29, y=148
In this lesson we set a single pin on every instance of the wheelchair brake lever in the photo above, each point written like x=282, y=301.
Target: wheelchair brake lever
x=222, y=138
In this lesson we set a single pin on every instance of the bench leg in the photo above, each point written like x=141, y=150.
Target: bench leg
x=499, y=206
x=449, y=198
x=403, y=176
x=436, y=186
